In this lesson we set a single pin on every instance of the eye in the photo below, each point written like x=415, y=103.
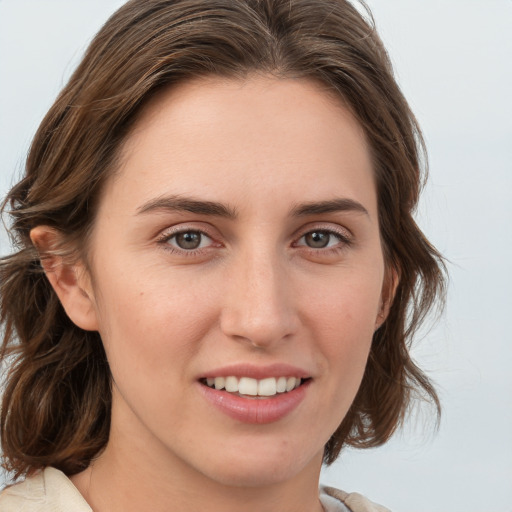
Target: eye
x=321, y=239
x=189, y=240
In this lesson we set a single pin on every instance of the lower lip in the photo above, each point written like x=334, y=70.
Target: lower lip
x=256, y=410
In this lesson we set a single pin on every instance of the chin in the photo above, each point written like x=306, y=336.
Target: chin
x=263, y=467
x=253, y=477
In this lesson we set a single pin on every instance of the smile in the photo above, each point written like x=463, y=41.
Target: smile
x=257, y=401
x=247, y=386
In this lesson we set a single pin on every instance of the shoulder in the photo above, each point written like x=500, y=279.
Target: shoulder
x=335, y=500
x=46, y=491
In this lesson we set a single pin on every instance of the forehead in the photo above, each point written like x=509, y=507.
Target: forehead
x=216, y=135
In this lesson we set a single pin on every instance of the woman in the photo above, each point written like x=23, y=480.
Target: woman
x=218, y=273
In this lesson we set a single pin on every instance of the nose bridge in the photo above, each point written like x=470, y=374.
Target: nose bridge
x=259, y=304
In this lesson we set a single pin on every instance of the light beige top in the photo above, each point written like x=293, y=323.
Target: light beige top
x=52, y=491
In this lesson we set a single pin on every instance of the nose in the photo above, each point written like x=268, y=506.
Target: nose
x=259, y=305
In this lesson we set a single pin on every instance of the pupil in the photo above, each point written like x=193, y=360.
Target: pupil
x=188, y=240
x=317, y=239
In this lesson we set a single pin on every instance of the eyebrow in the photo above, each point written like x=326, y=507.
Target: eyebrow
x=188, y=204
x=216, y=209
x=330, y=206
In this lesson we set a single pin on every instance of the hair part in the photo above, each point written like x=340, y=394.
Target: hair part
x=57, y=398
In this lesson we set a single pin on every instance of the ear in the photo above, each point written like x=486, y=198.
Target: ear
x=69, y=278
x=391, y=280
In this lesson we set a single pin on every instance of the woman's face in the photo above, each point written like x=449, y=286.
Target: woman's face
x=238, y=246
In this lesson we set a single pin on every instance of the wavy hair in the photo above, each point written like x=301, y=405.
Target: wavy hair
x=57, y=395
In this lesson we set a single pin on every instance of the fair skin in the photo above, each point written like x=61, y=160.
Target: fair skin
x=239, y=238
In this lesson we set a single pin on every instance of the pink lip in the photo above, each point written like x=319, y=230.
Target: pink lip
x=255, y=410
x=257, y=372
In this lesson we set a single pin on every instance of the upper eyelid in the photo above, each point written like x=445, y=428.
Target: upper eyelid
x=171, y=231
x=211, y=232
x=319, y=226
x=341, y=239
x=165, y=237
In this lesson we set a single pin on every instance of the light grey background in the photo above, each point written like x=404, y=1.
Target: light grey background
x=453, y=61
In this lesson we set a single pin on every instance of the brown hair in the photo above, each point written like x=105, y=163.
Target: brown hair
x=57, y=397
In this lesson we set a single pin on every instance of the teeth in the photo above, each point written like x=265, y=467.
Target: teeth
x=231, y=384
x=247, y=386
x=253, y=387
x=281, y=384
x=219, y=382
x=267, y=387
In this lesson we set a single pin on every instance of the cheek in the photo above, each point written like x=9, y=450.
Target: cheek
x=343, y=318
x=148, y=324
x=348, y=307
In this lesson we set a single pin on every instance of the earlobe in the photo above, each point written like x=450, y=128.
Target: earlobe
x=69, y=278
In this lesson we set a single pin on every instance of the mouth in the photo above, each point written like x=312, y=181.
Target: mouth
x=248, y=387
x=256, y=395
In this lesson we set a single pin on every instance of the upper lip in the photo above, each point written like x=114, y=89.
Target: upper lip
x=257, y=372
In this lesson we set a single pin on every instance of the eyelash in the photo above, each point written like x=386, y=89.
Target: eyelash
x=344, y=241
x=165, y=238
